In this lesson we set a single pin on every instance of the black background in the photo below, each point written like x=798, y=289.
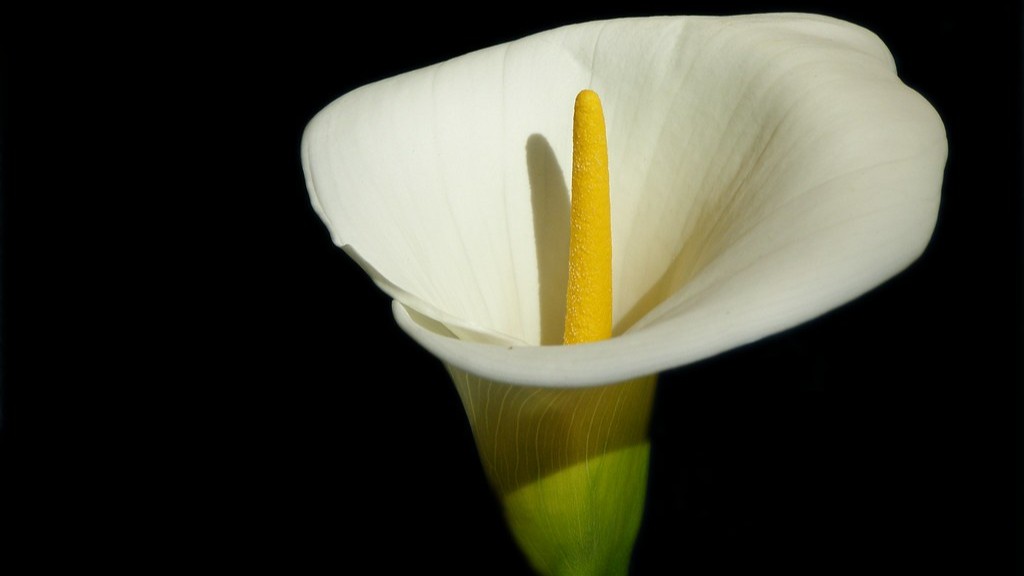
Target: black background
x=194, y=376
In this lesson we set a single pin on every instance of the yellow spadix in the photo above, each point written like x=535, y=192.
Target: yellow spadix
x=588, y=304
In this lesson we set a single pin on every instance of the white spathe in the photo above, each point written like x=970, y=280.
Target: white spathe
x=764, y=170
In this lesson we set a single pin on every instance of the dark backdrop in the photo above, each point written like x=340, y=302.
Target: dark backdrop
x=193, y=375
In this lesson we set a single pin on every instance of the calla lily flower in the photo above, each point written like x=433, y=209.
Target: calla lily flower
x=764, y=170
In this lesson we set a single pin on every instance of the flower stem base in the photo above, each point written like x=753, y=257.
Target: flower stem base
x=583, y=520
x=569, y=465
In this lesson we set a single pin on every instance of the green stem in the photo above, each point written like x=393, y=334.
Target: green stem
x=569, y=465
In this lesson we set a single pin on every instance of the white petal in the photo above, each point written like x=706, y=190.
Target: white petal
x=425, y=175
x=765, y=169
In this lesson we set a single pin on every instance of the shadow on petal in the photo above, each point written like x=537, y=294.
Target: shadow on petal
x=550, y=200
